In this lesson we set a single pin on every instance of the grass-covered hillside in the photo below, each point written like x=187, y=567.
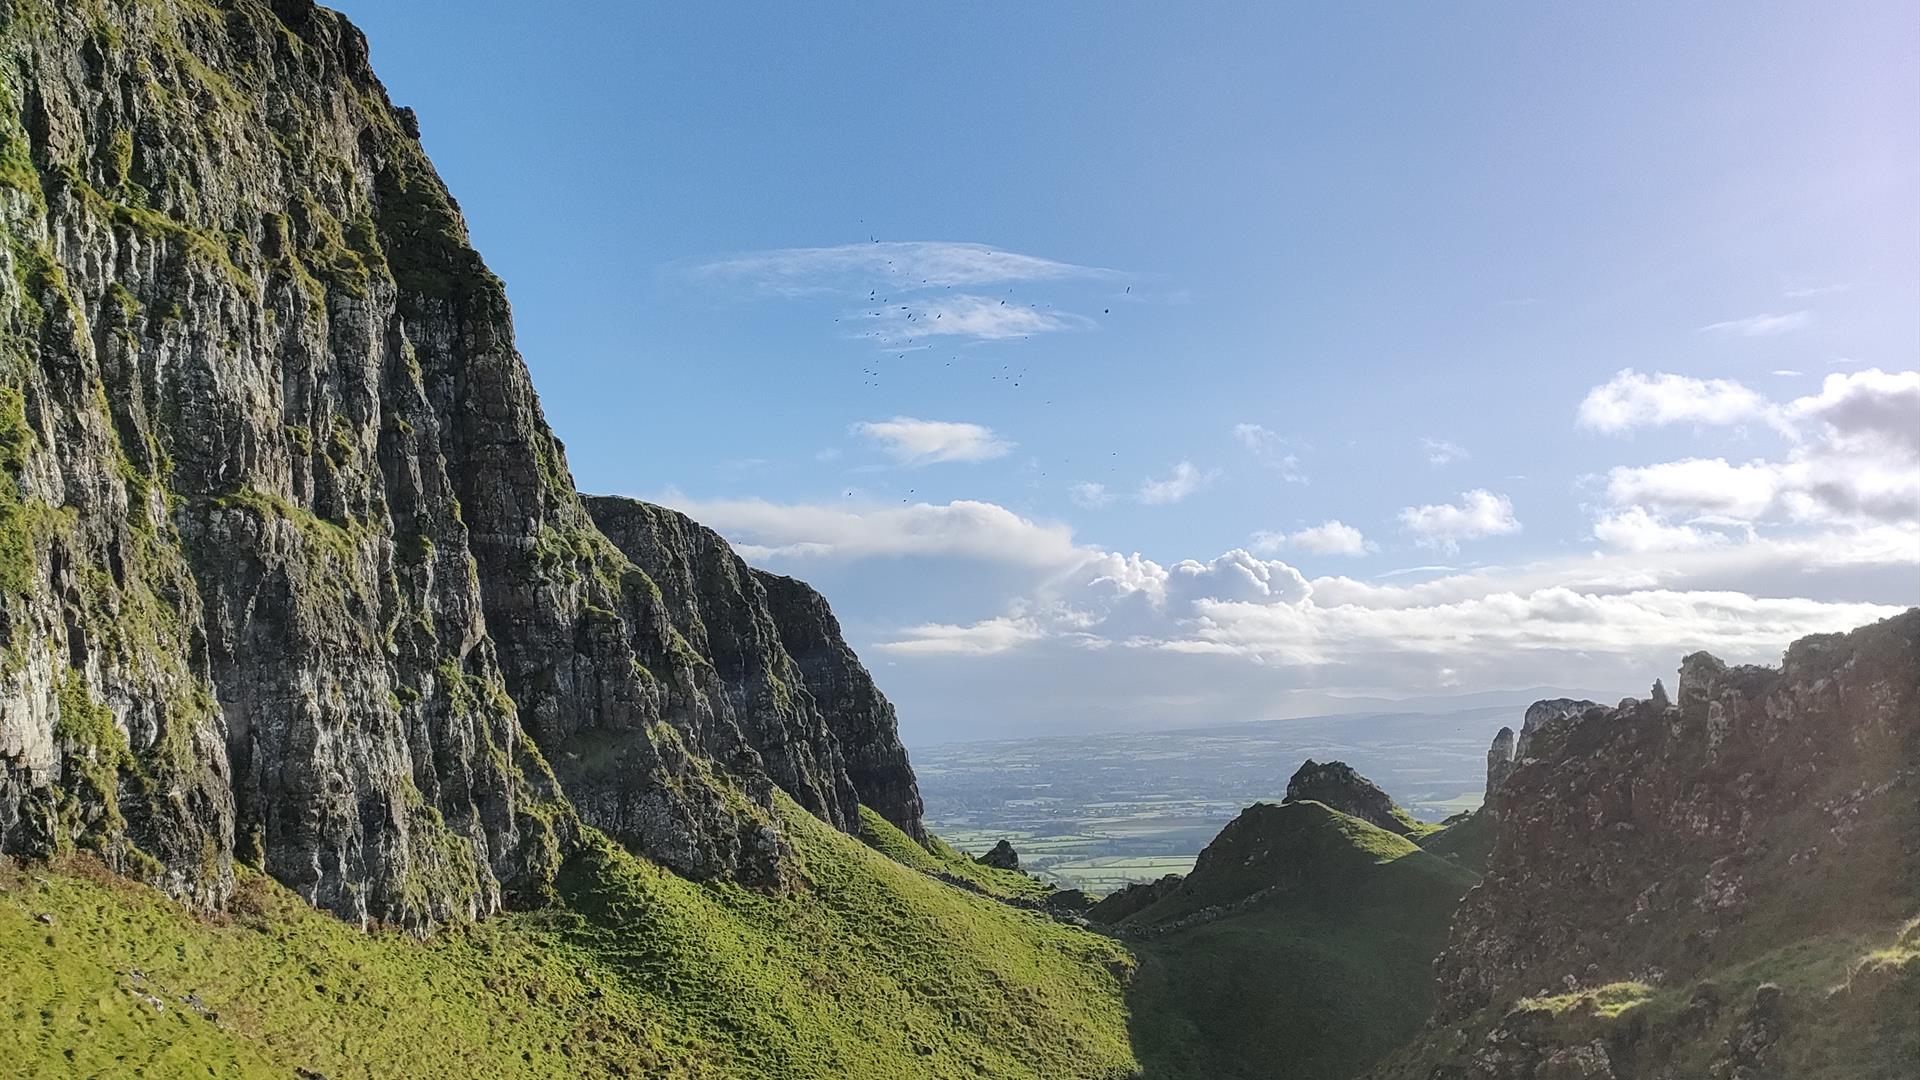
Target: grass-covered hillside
x=869, y=969
x=939, y=859
x=1320, y=964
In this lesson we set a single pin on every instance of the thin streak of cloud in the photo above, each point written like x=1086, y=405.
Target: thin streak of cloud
x=1763, y=325
x=897, y=263
x=1804, y=292
x=895, y=327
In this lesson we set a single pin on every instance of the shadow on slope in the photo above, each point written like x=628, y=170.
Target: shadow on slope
x=1300, y=947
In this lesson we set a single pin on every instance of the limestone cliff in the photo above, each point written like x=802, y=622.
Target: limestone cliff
x=291, y=566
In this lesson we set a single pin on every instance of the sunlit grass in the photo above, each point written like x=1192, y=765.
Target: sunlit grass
x=867, y=969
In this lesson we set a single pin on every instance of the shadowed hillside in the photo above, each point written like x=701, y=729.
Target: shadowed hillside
x=1300, y=946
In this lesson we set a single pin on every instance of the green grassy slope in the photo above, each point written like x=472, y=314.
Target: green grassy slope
x=940, y=859
x=1317, y=979
x=1301, y=847
x=1467, y=842
x=869, y=970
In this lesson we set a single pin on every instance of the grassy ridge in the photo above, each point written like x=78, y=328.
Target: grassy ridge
x=1315, y=979
x=1302, y=847
x=940, y=859
x=870, y=969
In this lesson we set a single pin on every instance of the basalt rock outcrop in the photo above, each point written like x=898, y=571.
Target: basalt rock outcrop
x=1658, y=862
x=1337, y=785
x=1001, y=856
x=1541, y=713
x=1499, y=766
x=292, y=570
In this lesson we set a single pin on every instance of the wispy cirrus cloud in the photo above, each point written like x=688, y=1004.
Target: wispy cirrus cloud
x=1185, y=479
x=1272, y=449
x=912, y=292
x=963, y=529
x=1765, y=324
x=900, y=264
x=981, y=318
x=1441, y=452
x=912, y=441
x=983, y=638
x=1090, y=495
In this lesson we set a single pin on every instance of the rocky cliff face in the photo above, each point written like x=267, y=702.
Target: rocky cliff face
x=1765, y=826
x=1336, y=784
x=291, y=567
x=860, y=717
x=801, y=698
x=1500, y=758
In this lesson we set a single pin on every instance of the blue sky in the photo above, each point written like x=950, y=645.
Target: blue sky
x=1234, y=318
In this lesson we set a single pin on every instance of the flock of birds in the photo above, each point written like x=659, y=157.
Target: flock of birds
x=883, y=308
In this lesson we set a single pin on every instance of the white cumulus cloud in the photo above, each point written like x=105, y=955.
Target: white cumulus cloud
x=1479, y=513
x=1634, y=529
x=1326, y=538
x=913, y=441
x=1631, y=399
x=1697, y=485
x=1854, y=456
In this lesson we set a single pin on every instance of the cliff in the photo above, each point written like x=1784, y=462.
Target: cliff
x=1727, y=885
x=808, y=706
x=292, y=570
